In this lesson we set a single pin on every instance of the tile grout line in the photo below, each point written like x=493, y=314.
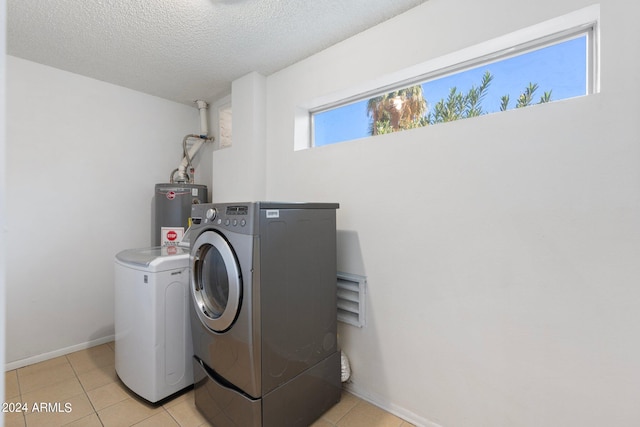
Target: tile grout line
x=75, y=372
x=85, y=393
x=171, y=415
x=70, y=397
x=24, y=416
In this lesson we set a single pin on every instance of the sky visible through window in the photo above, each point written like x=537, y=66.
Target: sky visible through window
x=560, y=68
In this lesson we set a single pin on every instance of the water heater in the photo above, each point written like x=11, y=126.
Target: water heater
x=172, y=209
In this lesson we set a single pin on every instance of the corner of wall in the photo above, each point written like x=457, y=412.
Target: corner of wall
x=240, y=170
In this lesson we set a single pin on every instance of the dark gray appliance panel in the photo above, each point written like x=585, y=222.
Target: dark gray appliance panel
x=297, y=292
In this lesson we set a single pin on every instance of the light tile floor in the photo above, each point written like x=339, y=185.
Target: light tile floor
x=87, y=381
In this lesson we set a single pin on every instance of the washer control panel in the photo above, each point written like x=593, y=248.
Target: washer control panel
x=233, y=217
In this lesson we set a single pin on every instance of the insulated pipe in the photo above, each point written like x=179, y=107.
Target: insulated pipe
x=188, y=155
x=191, y=153
x=202, y=106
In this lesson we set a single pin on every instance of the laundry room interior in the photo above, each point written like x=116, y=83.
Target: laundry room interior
x=499, y=253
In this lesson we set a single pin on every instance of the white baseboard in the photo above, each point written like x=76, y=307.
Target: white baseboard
x=390, y=407
x=50, y=355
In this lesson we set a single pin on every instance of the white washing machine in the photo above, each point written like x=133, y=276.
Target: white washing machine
x=153, y=335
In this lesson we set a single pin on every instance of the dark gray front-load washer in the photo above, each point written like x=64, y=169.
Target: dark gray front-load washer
x=263, y=312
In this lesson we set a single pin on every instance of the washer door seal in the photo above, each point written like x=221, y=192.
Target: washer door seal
x=216, y=282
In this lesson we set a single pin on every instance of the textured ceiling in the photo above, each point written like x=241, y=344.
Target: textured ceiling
x=184, y=50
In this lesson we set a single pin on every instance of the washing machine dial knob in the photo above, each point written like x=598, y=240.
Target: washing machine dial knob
x=211, y=214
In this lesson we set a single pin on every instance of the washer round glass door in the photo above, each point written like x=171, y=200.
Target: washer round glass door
x=216, y=284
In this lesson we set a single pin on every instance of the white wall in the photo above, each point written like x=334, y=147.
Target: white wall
x=82, y=160
x=501, y=252
x=239, y=170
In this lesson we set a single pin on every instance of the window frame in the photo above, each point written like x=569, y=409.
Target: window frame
x=585, y=21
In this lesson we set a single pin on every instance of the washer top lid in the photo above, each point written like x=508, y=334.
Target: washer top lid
x=157, y=258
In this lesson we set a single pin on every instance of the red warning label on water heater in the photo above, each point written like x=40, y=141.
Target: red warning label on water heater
x=171, y=195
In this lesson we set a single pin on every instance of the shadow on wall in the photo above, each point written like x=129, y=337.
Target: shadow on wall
x=104, y=334
x=349, y=253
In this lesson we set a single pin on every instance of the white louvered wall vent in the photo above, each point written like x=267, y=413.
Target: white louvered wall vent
x=351, y=291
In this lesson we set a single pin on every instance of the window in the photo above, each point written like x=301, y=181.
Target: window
x=225, y=120
x=557, y=65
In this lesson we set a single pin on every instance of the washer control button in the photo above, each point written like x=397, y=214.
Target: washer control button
x=243, y=222
x=235, y=222
x=227, y=222
x=211, y=214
